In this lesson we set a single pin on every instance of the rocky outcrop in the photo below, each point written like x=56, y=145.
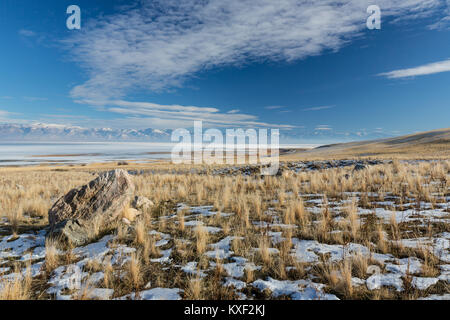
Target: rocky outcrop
x=359, y=167
x=142, y=203
x=102, y=199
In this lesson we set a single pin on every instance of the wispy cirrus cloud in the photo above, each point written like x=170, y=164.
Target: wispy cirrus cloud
x=159, y=44
x=444, y=22
x=279, y=109
x=318, y=108
x=323, y=127
x=30, y=37
x=33, y=99
x=427, y=69
x=274, y=107
x=174, y=115
x=4, y=113
x=6, y=116
x=27, y=33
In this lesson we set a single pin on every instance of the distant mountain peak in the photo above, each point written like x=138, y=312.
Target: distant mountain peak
x=57, y=132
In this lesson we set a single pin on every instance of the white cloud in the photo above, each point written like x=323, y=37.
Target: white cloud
x=30, y=37
x=33, y=99
x=431, y=68
x=161, y=43
x=174, y=115
x=6, y=116
x=3, y=113
x=443, y=23
x=318, y=108
x=274, y=107
x=280, y=109
x=323, y=127
x=27, y=33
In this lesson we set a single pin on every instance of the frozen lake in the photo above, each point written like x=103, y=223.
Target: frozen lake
x=21, y=153
x=81, y=152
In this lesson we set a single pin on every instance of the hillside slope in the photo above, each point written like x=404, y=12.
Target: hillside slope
x=431, y=144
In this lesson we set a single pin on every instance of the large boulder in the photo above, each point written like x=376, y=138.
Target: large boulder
x=102, y=199
x=74, y=231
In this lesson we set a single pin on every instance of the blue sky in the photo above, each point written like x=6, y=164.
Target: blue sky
x=289, y=64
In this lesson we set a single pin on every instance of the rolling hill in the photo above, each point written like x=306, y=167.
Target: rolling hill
x=431, y=144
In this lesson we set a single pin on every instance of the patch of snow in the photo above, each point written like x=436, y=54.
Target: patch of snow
x=155, y=294
x=270, y=250
x=380, y=257
x=276, y=237
x=165, y=256
x=16, y=248
x=357, y=281
x=191, y=268
x=442, y=246
x=297, y=290
x=222, y=249
x=308, y=250
x=100, y=294
x=437, y=297
x=38, y=253
x=411, y=265
x=209, y=229
x=263, y=224
x=161, y=243
x=66, y=277
x=377, y=281
x=231, y=282
x=407, y=215
x=94, y=251
x=121, y=255
x=423, y=283
x=160, y=234
x=4, y=270
x=236, y=269
x=96, y=278
x=444, y=277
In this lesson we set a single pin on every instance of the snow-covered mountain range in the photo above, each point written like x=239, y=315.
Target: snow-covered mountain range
x=57, y=132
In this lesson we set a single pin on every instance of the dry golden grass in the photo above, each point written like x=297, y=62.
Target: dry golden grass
x=201, y=235
x=18, y=288
x=195, y=288
x=108, y=271
x=51, y=255
x=140, y=232
x=271, y=200
x=134, y=275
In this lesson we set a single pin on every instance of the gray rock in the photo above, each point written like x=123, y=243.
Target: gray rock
x=359, y=167
x=73, y=231
x=104, y=198
x=142, y=203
